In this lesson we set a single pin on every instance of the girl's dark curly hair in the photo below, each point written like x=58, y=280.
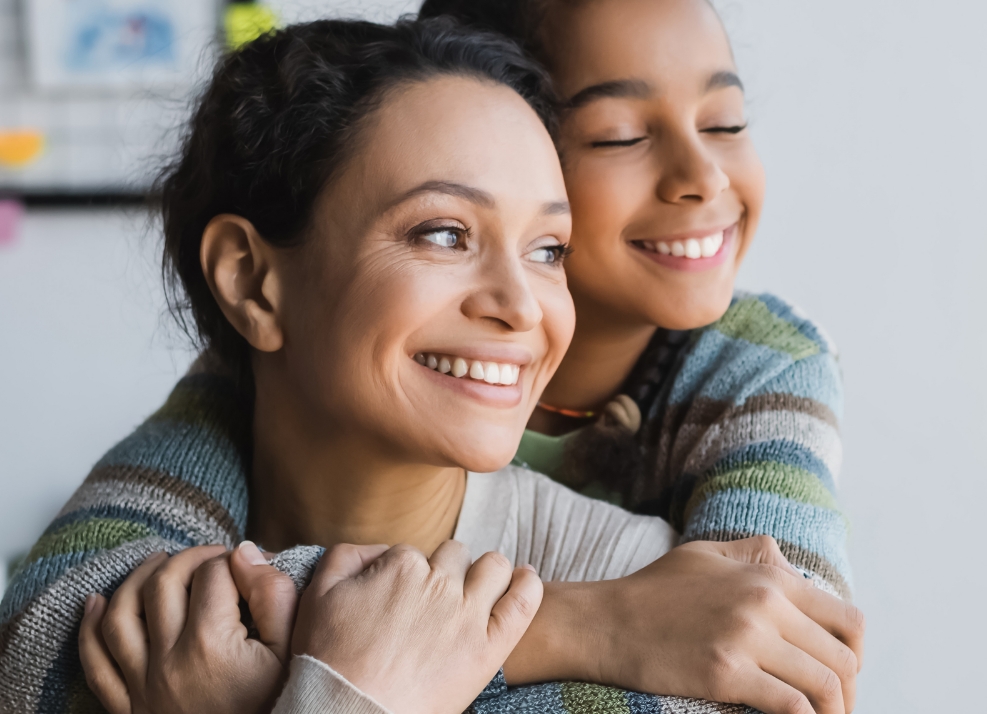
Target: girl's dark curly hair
x=280, y=118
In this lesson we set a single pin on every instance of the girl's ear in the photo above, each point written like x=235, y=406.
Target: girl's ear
x=239, y=269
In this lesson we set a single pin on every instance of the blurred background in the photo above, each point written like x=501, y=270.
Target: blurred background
x=868, y=116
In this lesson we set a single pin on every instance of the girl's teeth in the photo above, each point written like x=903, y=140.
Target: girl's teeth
x=692, y=248
x=489, y=372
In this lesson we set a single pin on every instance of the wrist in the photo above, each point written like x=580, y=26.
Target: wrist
x=566, y=641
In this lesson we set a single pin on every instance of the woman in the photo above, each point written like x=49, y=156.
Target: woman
x=373, y=452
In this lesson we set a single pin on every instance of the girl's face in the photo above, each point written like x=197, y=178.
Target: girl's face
x=428, y=308
x=666, y=187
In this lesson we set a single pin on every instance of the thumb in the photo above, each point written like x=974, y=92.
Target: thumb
x=271, y=597
x=762, y=550
x=342, y=562
x=510, y=617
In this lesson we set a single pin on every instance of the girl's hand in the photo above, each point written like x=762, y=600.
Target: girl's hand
x=416, y=634
x=171, y=641
x=728, y=622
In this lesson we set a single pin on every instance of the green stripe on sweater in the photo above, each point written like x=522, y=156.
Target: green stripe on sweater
x=582, y=697
x=751, y=320
x=94, y=534
x=768, y=477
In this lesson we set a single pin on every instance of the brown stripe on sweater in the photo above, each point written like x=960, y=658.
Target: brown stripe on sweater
x=797, y=555
x=191, y=494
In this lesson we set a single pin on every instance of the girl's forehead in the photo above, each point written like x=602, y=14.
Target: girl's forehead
x=657, y=42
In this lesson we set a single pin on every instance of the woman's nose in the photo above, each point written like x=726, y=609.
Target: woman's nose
x=689, y=172
x=504, y=294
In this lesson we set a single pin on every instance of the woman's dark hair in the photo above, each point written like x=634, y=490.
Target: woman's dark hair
x=279, y=120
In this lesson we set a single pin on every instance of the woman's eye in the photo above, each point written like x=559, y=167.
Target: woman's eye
x=549, y=254
x=444, y=237
x=617, y=142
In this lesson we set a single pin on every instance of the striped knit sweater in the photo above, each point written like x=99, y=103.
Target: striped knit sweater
x=747, y=429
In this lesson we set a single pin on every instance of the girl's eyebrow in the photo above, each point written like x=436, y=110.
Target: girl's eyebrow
x=615, y=89
x=722, y=80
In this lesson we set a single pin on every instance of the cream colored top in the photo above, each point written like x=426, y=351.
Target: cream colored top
x=532, y=520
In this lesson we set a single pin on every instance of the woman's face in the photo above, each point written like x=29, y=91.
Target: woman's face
x=666, y=187
x=428, y=308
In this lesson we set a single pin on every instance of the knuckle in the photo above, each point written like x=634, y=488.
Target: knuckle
x=725, y=667
x=796, y=703
x=830, y=687
x=498, y=559
x=856, y=621
x=847, y=663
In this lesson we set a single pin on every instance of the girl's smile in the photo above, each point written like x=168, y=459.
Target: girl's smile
x=693, y=252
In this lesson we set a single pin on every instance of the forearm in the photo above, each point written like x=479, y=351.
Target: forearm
x=557, y=644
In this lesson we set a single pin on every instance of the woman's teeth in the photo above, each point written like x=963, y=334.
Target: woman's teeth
x=489, y=372
x=693, y=248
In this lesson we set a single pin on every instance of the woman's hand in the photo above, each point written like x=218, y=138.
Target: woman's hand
x=171, y=641
x=417, y=634
x=730, y=622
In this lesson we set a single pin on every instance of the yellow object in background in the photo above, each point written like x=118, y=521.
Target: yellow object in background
x=245, y=22
x=19, y=147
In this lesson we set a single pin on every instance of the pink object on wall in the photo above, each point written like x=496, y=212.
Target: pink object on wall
x=11, y=213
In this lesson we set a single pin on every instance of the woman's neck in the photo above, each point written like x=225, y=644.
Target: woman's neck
x=327, y=486
x=601, y=356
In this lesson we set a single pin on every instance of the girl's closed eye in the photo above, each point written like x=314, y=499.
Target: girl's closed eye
x=735, y=129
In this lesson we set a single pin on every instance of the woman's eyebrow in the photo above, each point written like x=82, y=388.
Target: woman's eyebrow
x=723, y=79
x=450, y=188
x=615, y=89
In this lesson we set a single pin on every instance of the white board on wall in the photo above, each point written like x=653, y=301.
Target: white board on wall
x=106, y=44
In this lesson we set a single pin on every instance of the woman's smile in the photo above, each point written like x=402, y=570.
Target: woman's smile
x=690, y=252
x=488, y=374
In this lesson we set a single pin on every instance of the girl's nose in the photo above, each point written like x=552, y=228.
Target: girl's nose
x=688, y=171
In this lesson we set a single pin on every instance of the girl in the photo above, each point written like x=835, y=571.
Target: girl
x=678, y=397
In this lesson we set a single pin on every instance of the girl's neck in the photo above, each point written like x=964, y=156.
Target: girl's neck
x=601, y=355
x=327, y=486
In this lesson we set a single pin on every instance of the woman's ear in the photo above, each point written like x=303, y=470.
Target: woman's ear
x=239, y=269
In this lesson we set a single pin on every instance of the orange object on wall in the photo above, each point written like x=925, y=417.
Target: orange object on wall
x=19, y=147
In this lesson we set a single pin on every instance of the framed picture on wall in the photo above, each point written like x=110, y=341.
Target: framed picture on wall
x=119, y=44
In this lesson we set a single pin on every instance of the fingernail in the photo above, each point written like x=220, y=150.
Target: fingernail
x=251, y=553
x=90, y=602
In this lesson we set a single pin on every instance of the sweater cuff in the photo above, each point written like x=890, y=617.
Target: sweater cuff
x=315, y=687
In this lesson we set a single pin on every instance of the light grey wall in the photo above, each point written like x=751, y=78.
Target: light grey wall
x=868, y=116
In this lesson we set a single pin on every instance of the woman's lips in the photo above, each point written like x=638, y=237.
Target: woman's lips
x=691, y=254
x=496, y=383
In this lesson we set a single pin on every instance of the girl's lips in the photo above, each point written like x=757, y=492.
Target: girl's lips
x=649, y=249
